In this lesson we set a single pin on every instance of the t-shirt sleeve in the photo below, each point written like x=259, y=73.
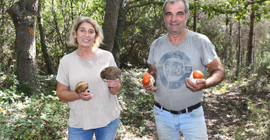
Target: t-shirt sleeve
x=150, y=59
x=112, y=60
x=208, y=51
x=62, y=74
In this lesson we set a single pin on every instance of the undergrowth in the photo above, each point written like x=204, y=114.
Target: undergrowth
x=43, y=116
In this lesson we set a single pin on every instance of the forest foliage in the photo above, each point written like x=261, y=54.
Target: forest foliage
x=227, y=23
x=142, y=23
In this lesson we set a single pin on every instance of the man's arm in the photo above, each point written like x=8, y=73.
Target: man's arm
x=153, y=71
x=217, y=74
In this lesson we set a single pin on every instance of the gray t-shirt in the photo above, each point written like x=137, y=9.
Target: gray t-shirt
x=175, y=63
x=103, y=107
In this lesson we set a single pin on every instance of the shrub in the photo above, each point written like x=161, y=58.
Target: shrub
x=36, y=117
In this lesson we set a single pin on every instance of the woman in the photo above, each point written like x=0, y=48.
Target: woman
x=95, y=111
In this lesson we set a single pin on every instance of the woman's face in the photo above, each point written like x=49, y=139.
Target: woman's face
x=85, y=35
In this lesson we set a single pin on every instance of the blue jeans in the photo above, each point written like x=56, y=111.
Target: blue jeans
x=191, y=124
x=104, y=133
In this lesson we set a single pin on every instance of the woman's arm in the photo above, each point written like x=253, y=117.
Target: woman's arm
x=64, y=94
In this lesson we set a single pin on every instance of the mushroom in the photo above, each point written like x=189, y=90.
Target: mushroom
x=81, y=87
x=110, y=73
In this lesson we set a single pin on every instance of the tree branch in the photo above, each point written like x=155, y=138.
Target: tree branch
x=147, y=3
x=240, y=10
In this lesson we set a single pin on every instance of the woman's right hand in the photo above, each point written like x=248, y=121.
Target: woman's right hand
x=86, y=96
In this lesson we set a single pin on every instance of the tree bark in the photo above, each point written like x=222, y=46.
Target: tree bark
x=23, y=14
x=231, y=44
x=57, y=30
x=195, y=17
x=121, y=24
x=125, y=6
x=238, y=55
x=250, y=39
x=44, y=47
x=110, y=23
x=254, y=52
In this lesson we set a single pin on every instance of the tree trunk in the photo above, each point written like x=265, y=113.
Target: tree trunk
x=44, y=47
x=195, y=17
x=57, y=30
x=230, y=57
x=228, y=48
x=110, y=23
x=250, y=39
x=238, y=56
x=254, y=52
x=23, y=14
x=121, y=24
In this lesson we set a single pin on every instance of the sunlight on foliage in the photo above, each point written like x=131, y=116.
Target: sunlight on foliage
x=136, y=103
x=36, y=117
x=43, y=116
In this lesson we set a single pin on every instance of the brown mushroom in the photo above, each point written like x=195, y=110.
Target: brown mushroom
x=81, y=87
x=110, y=73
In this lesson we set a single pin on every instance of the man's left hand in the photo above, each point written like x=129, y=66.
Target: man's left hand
x=199, y=85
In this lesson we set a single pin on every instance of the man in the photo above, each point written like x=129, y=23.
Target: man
x=172, y=58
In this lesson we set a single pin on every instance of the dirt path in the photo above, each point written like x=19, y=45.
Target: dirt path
x=225, y=112
x=221, y=113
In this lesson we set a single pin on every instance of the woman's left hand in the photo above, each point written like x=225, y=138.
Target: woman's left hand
x=114, y=83
x=114, y=86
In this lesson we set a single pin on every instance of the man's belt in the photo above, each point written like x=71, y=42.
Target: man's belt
x=181, y=111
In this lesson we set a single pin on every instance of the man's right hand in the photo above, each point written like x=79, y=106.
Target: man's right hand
x=150, y=87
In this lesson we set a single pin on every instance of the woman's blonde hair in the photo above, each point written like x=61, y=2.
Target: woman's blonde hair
x=99, y=33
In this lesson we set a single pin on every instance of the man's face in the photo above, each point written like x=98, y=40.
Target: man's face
x=175, y=17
